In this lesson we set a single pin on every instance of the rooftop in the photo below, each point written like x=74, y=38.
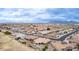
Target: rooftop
x=41, y=40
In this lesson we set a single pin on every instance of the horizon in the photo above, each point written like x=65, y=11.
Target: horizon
x=38, y=15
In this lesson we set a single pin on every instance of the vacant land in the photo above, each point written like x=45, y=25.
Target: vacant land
x=7, y=43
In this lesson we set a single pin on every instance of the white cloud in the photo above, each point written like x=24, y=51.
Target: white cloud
x=24, y=15
x=31, y=15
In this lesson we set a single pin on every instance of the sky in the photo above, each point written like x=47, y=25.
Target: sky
x=38, y=15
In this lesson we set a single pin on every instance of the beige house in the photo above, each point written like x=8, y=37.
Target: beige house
x=58, y=45
x=41, y=40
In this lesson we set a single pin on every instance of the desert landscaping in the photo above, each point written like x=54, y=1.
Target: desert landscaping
x=39, y=37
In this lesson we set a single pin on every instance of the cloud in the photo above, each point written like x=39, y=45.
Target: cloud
x=38, y=15
x=23, y=15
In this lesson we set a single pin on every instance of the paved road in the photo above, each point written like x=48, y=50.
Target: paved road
x=65, y=36
x=60, y=39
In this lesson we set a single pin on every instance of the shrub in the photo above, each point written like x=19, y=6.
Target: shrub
x=48, y=28
x=23, y=42
x=7, y=33
x=69, y=49
x=46, y=47
x=17, y=38
x=78, y=46
x=0, y=30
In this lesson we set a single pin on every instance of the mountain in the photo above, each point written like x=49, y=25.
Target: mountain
x=50, y=21
x=64, y=22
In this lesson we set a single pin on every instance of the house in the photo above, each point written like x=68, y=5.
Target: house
x=45, y=32
x=58, y=45
x=19, y=35
x=41, y=40
x=30, y=37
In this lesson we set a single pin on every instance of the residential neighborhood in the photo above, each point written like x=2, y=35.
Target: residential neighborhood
x=39, y=37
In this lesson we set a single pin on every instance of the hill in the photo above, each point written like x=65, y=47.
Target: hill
x=7, y=43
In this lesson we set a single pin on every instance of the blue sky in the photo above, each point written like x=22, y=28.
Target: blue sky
x=38, y=15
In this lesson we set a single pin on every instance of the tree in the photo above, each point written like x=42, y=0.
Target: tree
x=45, y=48
x=48, y=28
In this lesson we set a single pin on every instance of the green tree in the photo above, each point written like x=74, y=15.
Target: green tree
x=48, y=28
x=45, y=48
